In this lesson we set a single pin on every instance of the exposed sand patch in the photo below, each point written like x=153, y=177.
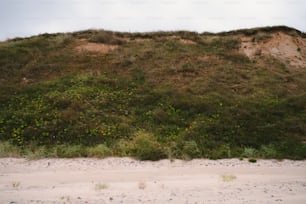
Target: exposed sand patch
x=180, y=40
x=95, y=47
x=186, y=41
x=124, y=180
x=290, y=50
x=140, y=40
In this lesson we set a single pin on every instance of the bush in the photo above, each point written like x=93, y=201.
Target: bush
x=70, y=151
x=252, y=160
x=268, y=151
x=9, y=150
x=261, y=37
x=190, y=150
x=38, y=152
x=123, y=148
x=222, y=151
x=249, y=152
x=146, y=147
x=105, y=37
x=99, y=151
x=291, y=149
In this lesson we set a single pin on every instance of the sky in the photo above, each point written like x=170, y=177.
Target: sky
x=22, y=18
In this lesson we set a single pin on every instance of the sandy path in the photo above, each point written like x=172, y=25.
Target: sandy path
x=123, y=180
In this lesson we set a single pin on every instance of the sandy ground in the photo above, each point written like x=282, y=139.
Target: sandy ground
x=289, y=49
x=124, y=180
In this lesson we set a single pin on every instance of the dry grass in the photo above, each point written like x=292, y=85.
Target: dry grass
x=16, y=184
x=142, y=185
x=228, y=178
x=101, y=186
x=95, y=47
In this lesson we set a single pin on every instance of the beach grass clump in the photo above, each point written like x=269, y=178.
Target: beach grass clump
x=228, y=178
x=101, y=186
x=99, y=151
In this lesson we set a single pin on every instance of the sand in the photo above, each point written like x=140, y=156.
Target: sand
x=291, y=50
x=124, y=180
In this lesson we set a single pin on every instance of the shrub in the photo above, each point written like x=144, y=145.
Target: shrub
x=188, y=68
x=190, y=150
x=123, y=148
x=261, y=37
x=249, y=152
x=223, y=151
x=268, y=151
x=9, y=150
x=70, y=151
x=33, y=152
x=291, y=149
x=99, y=151
x=252, y=160
x=146, y=147
x=105, y=37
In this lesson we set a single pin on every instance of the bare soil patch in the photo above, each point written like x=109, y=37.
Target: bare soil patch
x=289, y=49
x=95, y=47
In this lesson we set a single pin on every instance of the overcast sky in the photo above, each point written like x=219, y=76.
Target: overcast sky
x=31, y=17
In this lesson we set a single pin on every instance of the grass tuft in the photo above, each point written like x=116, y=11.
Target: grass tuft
x=100, y=186
x=228, y=178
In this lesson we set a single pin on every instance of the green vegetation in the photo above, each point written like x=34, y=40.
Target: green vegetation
x=153, y=97
x=252, y=160
x=228, y=178
x=101, y=186
x=105, y=37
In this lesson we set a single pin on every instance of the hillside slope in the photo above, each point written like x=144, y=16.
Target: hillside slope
x=155, y=95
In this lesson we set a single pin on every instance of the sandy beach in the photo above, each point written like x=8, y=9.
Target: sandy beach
x=124, y=180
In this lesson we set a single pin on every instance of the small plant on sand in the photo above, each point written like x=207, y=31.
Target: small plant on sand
x=228, y=178
x=16, y=184
x=65, y=198
x=100, y=186
x=249, y=152
x=142, y=185
x=252, y=160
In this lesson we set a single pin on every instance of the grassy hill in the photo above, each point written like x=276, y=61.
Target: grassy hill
x=155, y=95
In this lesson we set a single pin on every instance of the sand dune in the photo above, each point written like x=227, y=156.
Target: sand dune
x=124, y=180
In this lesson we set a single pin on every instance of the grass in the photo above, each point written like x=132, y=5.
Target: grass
x=106, y=37
x=101, y=186
x=150, y=100
x=228, y=178
x=261, y=37
x=65, y=198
